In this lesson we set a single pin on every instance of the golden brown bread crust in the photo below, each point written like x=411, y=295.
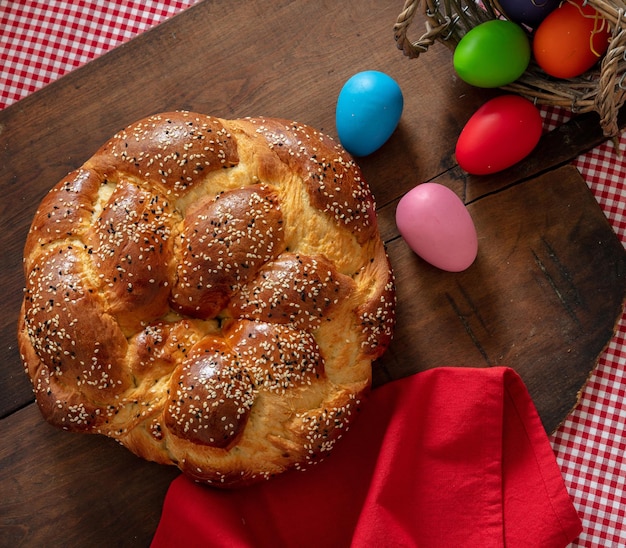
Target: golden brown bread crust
x=210, y=293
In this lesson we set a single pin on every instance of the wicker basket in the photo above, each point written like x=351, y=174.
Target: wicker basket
x=602, y=89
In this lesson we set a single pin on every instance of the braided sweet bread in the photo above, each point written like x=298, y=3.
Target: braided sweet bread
x=211, y=293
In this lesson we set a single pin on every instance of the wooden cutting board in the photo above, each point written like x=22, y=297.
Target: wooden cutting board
x=542, y=297
x=290, y=60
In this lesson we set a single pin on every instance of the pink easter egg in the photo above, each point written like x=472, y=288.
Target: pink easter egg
x=437, y=226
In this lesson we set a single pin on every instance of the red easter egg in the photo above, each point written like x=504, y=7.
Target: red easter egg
x=498, y=135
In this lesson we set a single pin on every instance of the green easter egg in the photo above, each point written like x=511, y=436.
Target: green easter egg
x=492, y=54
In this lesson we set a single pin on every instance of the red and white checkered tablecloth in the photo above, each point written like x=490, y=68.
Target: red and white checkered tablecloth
x=41, y=40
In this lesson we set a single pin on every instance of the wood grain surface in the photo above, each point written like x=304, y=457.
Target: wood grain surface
x=542, y=296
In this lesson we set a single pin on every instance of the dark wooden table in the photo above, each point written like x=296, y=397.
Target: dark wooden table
x=542, y=297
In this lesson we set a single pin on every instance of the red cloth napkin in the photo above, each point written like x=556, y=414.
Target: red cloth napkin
x=451, y=457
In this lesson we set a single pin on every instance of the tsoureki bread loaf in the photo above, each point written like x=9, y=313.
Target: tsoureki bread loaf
x=209, y=292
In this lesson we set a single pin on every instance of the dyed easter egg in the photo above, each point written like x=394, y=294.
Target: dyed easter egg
x=368, y=111
x=437, y=226
x=528, y=12
x=571, y=40
x=498, y=135
x=492, y=54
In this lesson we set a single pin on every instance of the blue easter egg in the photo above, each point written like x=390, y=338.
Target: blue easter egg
x=369, y=107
